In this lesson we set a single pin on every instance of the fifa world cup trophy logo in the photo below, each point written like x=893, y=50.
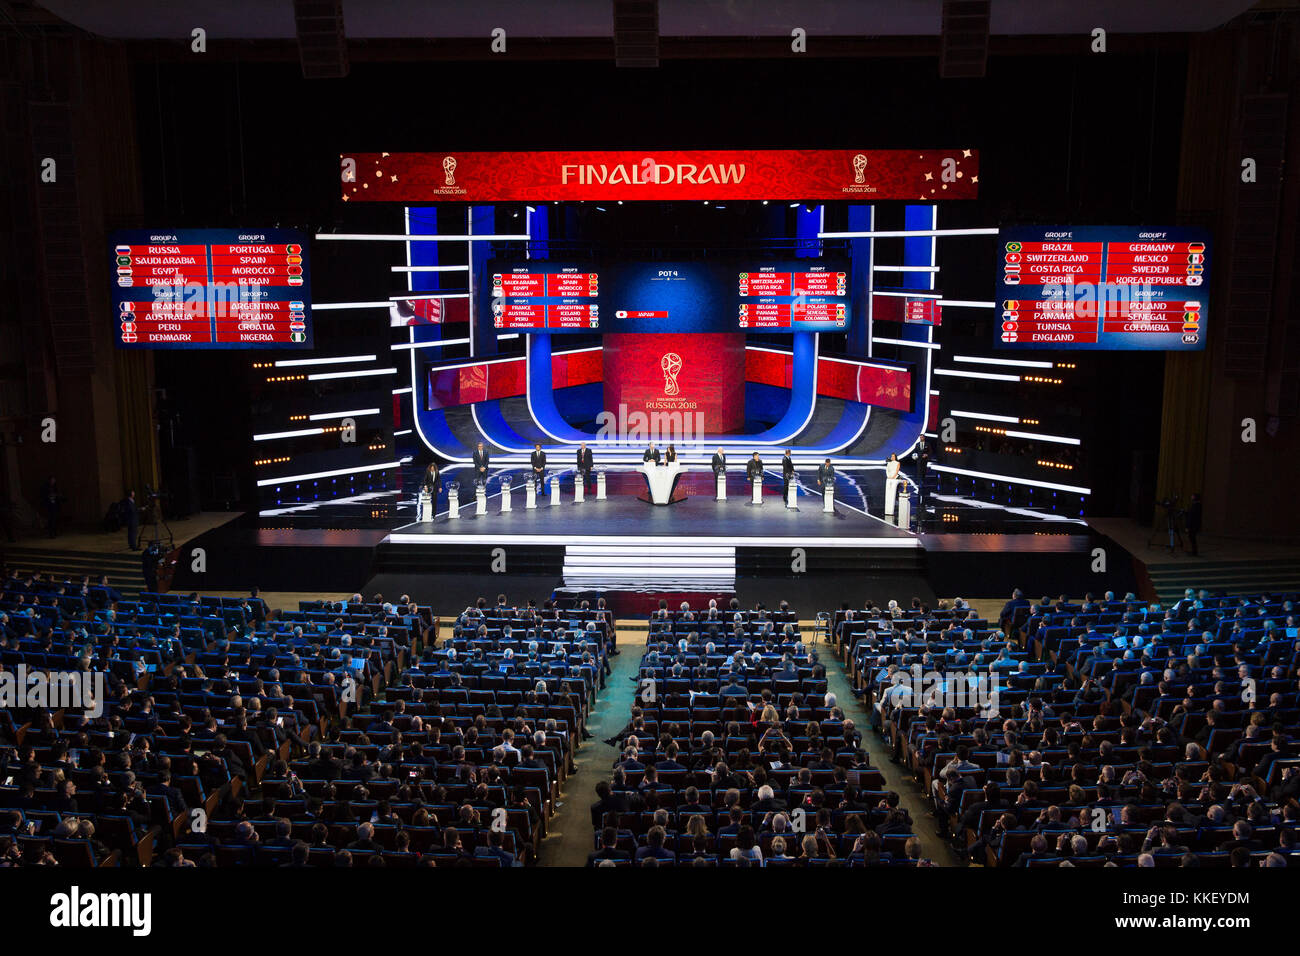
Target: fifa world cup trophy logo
x=671, y=365
x=449, y=169
x=859, y=168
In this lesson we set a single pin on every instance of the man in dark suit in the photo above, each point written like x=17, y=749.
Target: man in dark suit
x=131, y=518
x=651, y=454
x=1192, y=522
x=1009, y=610
x=754, y=469
x=585, y=463
x=825, y=475
x=608, y=848
x=480, y=464
x=539, y=465
x=719, y=462
x=787, y=473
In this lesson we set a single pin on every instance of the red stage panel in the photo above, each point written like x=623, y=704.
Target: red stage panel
x=486, y=381
x=551, y=176
x=872, y=384
x=672, y=374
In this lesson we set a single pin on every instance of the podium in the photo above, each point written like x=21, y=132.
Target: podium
x=505, y=495
x=904, y=508
x=453, y=500
x=891, y=494
x=424, y=507
x=661, y=479
x=579, y=487
x=480, y=500
x=792, y=495
x=555, y=490
x=828, y=498
x=600, y=484
x=756, y=492
x=530, y=493
x=721, y=480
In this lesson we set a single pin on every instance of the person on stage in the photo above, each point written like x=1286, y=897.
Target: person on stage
x=787, y=473
x=892, y=467
x=131, y=515
x=671, y=455
x=480, y=465
x=719, y=462
x=651, y=454
x=539, y=465
x=825, y=475
x=431, y=482
x=585, y=464
x=754, y=469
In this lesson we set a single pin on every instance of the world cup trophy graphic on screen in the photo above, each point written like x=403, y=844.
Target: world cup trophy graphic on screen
x=671, y=364
x=449, y=169
x=859, y=168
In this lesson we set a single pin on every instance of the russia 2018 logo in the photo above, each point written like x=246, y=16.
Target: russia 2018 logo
x=671, y=364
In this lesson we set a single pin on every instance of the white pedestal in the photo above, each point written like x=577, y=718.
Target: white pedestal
x=792, y=495
x=904, y=511
x=530, y=493
x=453, y=500
x=891, y=495
x=505, y=495
x=555, y=490
x=659, y=479
x=579, y=492
x=480, y=501
x=722, y=486
x=757, y=492
x=828, y=499
x=425, y=507
x=600, y=485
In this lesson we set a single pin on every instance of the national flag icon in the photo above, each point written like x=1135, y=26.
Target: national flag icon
x=1194, y=268
x=1193, y=280
x=1196, y=247
x=297, y=336
x=1013, y=247
x=298, y=316
x=123, y=260
x=122, y=250
x=1011, y=304
x=294, y=270
x=127, y=306
x=1010, y=337
x=297, y=326
x=1196, y=257
x=744, y=277
x=124, y=270
x=128, y=336
x=295, y=280
x=125, y=281
x=293, y=247
x=293, y=260
x=1012, y=257
x=1192, y=306
x=1011, y=278
x=295, y=305
x=1010, y=325
x=128, y=326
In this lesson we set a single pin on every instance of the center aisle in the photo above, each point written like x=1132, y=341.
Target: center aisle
x=571, y=836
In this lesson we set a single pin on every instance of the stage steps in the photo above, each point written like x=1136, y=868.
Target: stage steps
x=124, y=569
x=1233, y=577
x=670, y=565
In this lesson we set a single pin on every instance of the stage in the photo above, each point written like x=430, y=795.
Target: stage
x=627, y=519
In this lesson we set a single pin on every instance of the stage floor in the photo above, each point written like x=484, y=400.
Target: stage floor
x=697, y=520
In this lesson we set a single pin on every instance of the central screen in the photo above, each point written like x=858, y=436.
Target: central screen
x=717, y=296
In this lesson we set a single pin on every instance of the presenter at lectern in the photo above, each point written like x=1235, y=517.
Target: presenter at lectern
x=825, y=475
x=585, y=464
x=480, y=465
x=651, y=454
x=787, y=472
x=671, y=455
x=754, y=469
x=719, y=462
x=539, y=464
